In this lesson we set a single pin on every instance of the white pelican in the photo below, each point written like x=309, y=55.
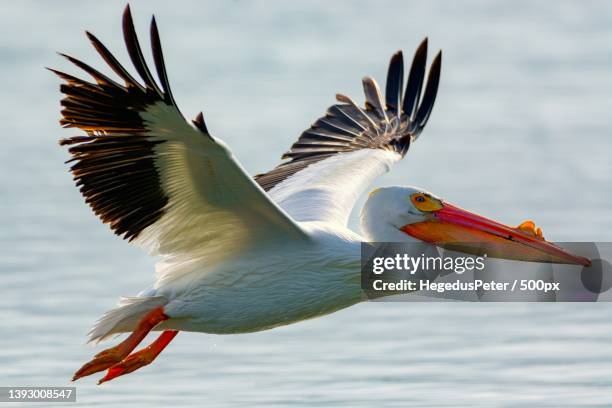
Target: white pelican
x=241, y=254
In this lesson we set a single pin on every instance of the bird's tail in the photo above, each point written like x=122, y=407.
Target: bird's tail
x=125, y=317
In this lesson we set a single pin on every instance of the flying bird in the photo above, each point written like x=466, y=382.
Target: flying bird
x=238, y=253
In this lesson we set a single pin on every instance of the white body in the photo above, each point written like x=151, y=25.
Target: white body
x=268, y=286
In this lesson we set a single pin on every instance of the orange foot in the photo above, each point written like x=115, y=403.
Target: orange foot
x=109, y=357
x=140, y=358
x=102, y=361
x=530, y=228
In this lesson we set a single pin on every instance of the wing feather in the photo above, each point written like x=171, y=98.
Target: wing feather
x=415, y=80
x=157, y=180
x=374, y=100
x=395, y=83
x=135, y=52
x=160, y=66
x=430, y=93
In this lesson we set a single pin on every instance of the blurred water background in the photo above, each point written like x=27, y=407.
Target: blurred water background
x=521, y=130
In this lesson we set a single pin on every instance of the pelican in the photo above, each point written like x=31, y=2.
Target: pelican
x=242, y=254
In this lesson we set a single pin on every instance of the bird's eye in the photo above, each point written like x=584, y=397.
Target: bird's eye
x=425, y=203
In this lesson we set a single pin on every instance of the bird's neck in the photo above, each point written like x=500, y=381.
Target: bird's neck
x=382, y=232
x=376, y=229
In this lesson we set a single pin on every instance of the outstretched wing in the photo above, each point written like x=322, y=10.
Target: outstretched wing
x=157, y=180
x=338, y=157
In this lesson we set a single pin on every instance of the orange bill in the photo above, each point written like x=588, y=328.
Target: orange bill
x=457, y=229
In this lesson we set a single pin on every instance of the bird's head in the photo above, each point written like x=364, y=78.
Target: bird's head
x=411, y=214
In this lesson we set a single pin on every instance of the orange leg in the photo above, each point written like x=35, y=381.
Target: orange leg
x=114, y=355
x=140, y=358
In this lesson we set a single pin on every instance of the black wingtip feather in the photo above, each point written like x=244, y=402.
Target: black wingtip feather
x=395, y=82
x=373, y=97
x=112, y=62
x=415, y=80
x=97, y=75
x=431, y=90
x=135, y=52
x=158, y=59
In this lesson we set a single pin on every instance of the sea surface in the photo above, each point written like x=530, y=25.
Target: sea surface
x=522, y=129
